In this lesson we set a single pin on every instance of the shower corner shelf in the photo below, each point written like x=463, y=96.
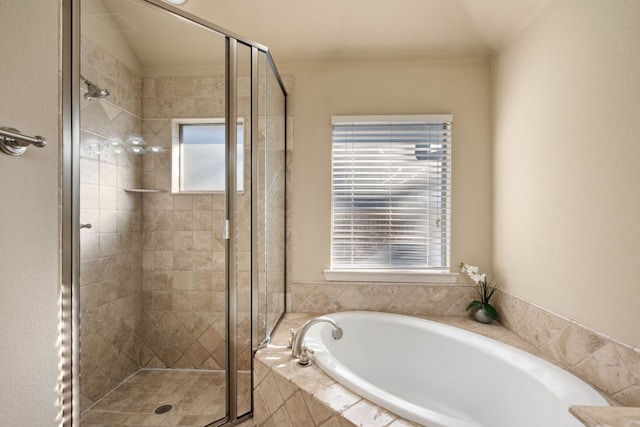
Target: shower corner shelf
x=142, y=190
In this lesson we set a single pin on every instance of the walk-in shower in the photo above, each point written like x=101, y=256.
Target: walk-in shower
x=178, y=221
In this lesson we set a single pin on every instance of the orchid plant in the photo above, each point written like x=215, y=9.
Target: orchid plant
x=485, y=290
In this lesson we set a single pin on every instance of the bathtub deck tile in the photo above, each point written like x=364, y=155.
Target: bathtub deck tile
x=365, y=413
x=402, y=423
x=287, y=368
x=493, y=330
x=337, y=397
x=311, y=379
x=595, y=416
x=277, y=355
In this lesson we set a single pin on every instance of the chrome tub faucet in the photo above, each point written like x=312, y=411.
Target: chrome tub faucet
x=298, y=338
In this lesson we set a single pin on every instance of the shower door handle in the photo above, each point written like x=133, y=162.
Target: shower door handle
x=224, y=230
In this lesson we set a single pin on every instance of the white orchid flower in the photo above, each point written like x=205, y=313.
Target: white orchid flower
x=469, y=269
x=477, y=277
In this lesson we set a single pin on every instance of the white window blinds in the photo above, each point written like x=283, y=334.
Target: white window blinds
x=391, y=192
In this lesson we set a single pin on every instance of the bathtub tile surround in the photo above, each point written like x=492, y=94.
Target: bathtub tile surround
x=611, y=366
x=278, y=381
x=288, y=395
x=410, y=299
x=596, y=417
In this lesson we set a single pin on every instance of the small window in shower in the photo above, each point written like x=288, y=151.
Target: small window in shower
x=198, y=156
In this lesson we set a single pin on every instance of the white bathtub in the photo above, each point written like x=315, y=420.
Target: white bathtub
x=442, y=376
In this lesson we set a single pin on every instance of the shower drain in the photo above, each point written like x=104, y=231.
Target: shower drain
x=163, y=409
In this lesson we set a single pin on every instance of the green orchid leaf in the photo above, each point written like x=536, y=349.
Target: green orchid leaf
x=493, y=289
x=474, y=304
x=491, y=312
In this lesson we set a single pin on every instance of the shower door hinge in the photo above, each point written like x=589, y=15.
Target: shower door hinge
x=225, y=229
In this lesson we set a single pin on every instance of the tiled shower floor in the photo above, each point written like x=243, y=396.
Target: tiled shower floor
x=197, y=397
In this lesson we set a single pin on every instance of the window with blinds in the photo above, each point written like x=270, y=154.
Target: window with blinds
x=391, y=192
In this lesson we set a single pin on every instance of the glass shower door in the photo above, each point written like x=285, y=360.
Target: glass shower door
x=153, y=261
x=240, y=299
x=182, y=188
x=271, y=198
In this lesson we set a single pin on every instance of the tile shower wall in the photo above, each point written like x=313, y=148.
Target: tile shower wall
x=111, y=250
x=183, y=323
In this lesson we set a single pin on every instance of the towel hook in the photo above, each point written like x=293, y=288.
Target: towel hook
x=14, y=143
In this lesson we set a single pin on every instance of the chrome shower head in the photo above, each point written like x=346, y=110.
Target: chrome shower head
x=93, y=91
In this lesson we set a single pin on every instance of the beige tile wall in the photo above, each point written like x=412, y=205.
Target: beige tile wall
x=611, y=366
x=183, y=322
x=183, y=255
x=110, y=256
x=411, y=299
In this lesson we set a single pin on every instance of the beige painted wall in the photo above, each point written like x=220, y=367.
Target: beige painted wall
x=29, y=203
x=567, y=202
x=460, y=87
x=96, y=25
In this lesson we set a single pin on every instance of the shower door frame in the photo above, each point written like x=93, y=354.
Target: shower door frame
x=69, y=353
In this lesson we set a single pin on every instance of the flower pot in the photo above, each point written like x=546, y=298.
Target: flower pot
x=482, y=316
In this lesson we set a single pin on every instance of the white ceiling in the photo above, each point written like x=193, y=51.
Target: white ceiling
x=319, y=30
x=304, y=30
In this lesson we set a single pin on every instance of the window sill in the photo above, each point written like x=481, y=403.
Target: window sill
x=402, y=276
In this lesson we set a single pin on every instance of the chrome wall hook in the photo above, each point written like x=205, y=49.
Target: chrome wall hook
x=14, y=143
